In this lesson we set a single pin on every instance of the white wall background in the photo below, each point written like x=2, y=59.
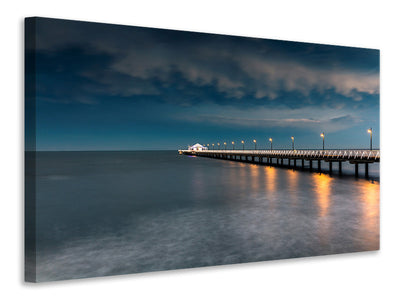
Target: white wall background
x=352, y=23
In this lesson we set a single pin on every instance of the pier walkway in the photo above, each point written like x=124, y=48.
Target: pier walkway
x=277, y=157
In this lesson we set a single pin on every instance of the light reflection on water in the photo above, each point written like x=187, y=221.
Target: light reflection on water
x=270, y=184
x=322, y=189
x=125, y=212
x=255, y=177
x=293, y=178
x=370, y=212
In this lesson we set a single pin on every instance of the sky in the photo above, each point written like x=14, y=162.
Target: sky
x=113, y=87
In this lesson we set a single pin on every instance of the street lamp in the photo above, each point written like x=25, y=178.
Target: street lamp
x=213, y=146
x=243, y=145
x=225, y=145
x=255, y=144
x=233, y=145
x=292, y=142
x=270, y=139
x=208, y=146
x=370, y=140
x=323, y=141
x=219, y=148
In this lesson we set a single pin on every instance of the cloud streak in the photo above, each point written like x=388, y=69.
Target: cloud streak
x=308, y=119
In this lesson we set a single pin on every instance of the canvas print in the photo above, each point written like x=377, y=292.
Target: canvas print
x=150, y=149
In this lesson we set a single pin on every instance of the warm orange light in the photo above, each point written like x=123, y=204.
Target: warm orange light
x=224, y=143
x=270, y=181
x=323, y=188
x=322, y=135
x=292, y=138
x=254, y=141
x=233, y=143
x=242, y=142
x=369, y=130
x=270, y=139
x=369, y=213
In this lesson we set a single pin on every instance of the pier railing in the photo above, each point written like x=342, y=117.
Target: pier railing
x=370, y=155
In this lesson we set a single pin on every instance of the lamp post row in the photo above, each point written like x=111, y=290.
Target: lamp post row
x=292, y=138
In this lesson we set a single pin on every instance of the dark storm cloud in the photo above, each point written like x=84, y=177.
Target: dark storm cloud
x=221, y=69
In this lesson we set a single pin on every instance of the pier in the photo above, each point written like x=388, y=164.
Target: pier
x=296, y=158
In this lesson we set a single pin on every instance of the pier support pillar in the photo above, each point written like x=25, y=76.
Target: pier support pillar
x=294, y=163
x=252, y=158
x=288, y=162
x=330, y=167
x=302, y=164
x=319, y=165
x=310, y=165
x=340, y=168
x=356, y=169
x=366, y=170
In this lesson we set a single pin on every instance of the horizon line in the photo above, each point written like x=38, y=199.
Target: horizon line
x=128, y=150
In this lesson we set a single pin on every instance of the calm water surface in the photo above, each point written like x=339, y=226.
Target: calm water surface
x=107, y=213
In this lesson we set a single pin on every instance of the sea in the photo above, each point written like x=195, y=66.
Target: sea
x=106, y=213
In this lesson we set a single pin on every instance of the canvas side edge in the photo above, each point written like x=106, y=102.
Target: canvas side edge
x=30, y=150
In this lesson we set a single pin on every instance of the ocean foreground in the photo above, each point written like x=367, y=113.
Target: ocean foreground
x=108, y=213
